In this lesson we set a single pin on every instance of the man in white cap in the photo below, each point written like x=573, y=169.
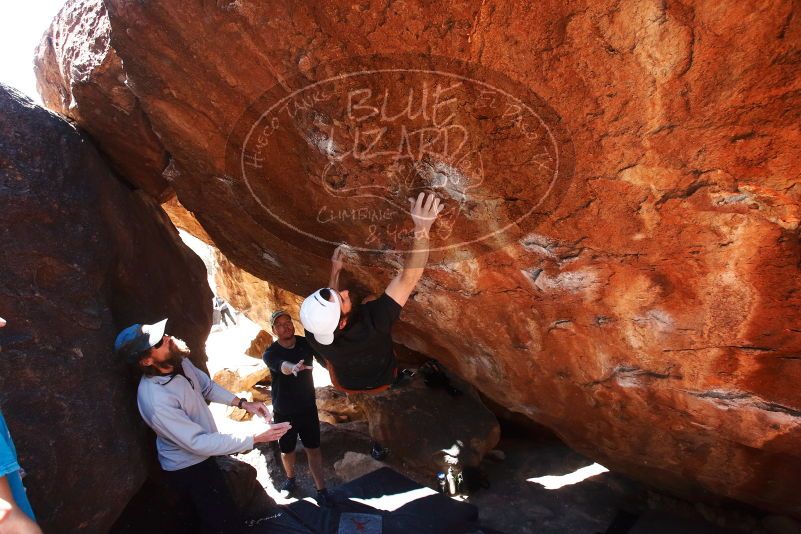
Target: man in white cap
x=357, y=343
x=172, y=398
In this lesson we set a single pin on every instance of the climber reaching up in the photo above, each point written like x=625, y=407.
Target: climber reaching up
x=356, y=341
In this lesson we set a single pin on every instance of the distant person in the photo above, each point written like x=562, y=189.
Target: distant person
x=224, y=309
x=16, y=515
x=356, y=341
x=289, y=359
x=172, y=399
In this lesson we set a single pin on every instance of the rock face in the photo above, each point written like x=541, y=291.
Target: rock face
x=242, y=376
x=259, y=344
x=246, y=491
x=430, y=429
x=183, y=219
x=254, y=297
x=81, y=257
x=619, y=257
x=335, y=407
x=80, y=75
x=355, y=464
x=250, y=295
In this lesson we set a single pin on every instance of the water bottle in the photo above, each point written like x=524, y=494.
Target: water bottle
x=451, y=481
x=441, y=482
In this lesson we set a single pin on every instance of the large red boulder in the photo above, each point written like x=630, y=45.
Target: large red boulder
x=80, y=76
x=248, y=294
x=430, y=429
x=619, y=257
x=82, y=256
x=253, y=296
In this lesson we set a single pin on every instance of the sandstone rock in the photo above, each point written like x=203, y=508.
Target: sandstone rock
x=259, y=344
x=331, y=419
x=780, y=524
x=81, y=257
x=428, y=428
x=261, y=394
x=254, y=297
x=337, y=406
x=247, y=492
x=183, y=219
x=239, y=414
x=355, y=464
x=250, y=295
x=242, y=374
x=80, y=75
x=641, y=312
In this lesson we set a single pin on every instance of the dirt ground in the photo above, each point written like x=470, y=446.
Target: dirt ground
x=604, y=503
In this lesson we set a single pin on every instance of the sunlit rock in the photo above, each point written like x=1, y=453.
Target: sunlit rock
x=619, y=256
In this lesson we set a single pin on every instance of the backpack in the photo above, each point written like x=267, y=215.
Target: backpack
x=434, y=377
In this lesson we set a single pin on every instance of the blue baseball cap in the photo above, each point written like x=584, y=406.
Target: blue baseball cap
x=138, y=338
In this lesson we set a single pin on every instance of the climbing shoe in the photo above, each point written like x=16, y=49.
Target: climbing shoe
x=404, y=377
x=289, y=486
x=324, y=499
x=378, y=452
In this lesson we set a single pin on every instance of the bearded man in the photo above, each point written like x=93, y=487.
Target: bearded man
x=172, y=398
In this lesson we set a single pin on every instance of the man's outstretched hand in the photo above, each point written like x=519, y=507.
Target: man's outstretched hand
x=288, y=368
x=424, y=212
x=257, y=408
x=301, y=366
x=274, y=431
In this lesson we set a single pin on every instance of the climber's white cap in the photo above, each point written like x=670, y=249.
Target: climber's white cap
x=320, y=316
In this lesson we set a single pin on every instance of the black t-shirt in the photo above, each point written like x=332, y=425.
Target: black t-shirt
x=362, y=355
x=292, y=395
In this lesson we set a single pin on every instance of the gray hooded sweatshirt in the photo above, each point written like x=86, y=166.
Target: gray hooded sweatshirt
x=175, y=408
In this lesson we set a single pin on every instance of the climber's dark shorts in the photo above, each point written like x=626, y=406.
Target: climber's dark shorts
x=306, y=425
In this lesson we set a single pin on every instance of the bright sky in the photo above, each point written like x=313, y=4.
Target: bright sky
x=22, y=24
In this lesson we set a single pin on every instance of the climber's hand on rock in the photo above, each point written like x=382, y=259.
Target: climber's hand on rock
x=424, y=212
x=337, y=262
x=338, y=258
